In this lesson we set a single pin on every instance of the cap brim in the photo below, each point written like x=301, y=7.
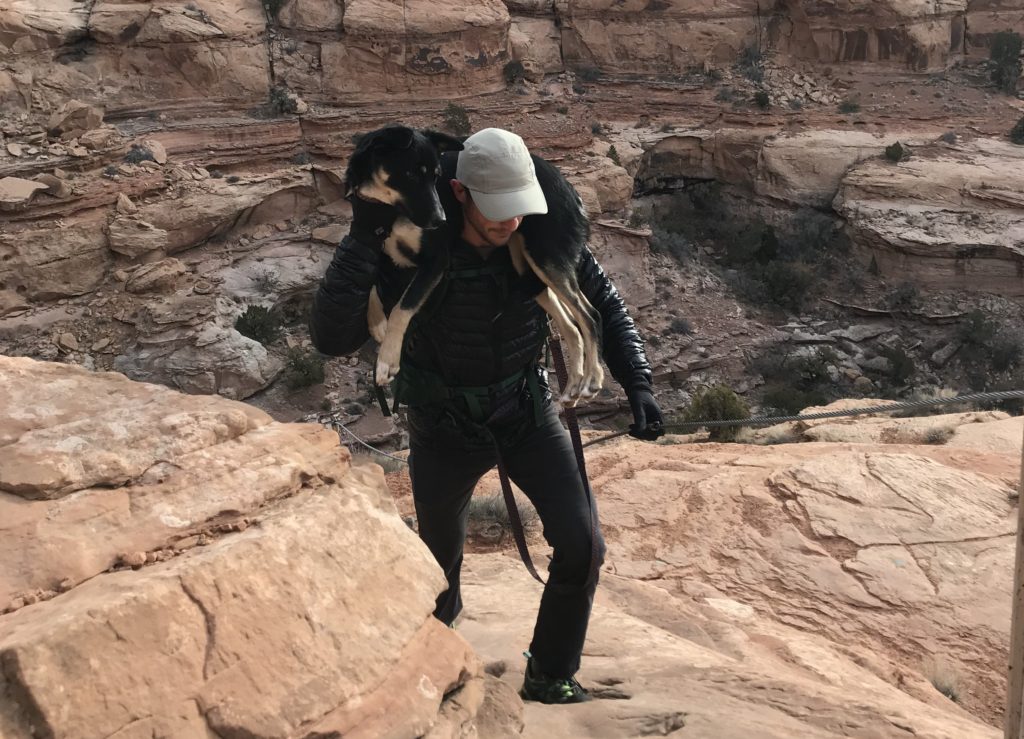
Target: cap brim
x=503, y=206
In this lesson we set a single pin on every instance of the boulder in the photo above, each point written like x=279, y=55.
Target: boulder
x=302, y=607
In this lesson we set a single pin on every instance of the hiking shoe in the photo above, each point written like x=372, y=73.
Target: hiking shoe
x=552, y=690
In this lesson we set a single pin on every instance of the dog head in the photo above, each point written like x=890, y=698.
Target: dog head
x=399, y=166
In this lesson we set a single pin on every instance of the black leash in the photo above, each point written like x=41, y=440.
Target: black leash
x=555, y=346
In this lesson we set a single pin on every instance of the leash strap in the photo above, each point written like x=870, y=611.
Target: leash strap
x=554, y=346
x=514, y=520
x=572, y=422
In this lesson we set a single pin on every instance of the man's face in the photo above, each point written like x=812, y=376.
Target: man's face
x=487, y=232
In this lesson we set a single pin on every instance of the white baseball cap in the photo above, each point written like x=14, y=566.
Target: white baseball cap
x=495, y=166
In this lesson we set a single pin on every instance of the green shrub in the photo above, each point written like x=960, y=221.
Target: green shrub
x=266, y=281
x=977, y=330
x=455, y=118
x=902, y=366
x=562, y=109
x=588, y=74
x=751, y=63
x=718, y=403
x=273, y=7
x=596, y=128
x=849, y=106
x=789, y=401
x=1004, y=55
x=488, y=518
x=761, y=99
x=1017, y=133
x=259, y=324
x=281, y=101
x=303, y=368
x=680, y=326
x=613, y=154
x=139, y=153
x=949, y=137
x=513, y=72
x=895, y=152
x=904, y=298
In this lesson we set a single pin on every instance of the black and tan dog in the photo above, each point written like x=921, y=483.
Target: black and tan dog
x=399, y=166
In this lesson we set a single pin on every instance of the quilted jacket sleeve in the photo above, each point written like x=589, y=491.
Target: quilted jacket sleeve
x=621, y=344
x=338, y=322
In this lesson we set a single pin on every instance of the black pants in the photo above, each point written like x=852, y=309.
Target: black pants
x=542, y=463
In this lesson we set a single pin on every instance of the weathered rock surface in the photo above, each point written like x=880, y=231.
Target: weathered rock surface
x=811, y=590
x=277, y=593
x=954, y=216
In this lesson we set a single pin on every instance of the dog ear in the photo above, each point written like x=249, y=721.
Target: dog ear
x=442, y=141
x=393, y=137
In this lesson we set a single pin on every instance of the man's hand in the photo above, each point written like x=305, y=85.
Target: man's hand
x=647, y=421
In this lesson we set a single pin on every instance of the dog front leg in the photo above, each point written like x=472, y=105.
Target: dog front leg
x=427, y=277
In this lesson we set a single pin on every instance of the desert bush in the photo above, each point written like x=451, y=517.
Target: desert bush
x=904, y=297
x=949, y=137
x=849, y=106
x=901, y=364
x=455, y=118
x=1017, y=132
x=761, y=99
x=718, y=403
x=139, y=153
x=596, y=128
x=266, y=281
x=281, y=101
x=301, y=157
x=303, y=368
x=259, y=324
x=1004, y=58
x=588, y=74
x=793, y=381
x=273, y=7
x=488, y=517
x=751, y=63
x=680, y=326
x=513, y=72
x=613, y=154
x=895, y=152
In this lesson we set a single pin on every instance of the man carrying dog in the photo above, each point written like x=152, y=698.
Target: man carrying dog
x=470, y=376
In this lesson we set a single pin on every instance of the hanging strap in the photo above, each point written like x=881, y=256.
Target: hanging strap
x=515, y=522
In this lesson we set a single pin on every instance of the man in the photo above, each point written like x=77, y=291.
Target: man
x=470, y=377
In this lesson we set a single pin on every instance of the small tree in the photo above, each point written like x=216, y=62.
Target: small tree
x=1004, y=54
x=259, y=324
x=718, y=403
x=456, y=119
x=895, y=152
x=1017, y=133
x=514, y=71
x=614, y=155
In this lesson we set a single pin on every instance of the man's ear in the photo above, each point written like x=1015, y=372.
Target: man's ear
x=458, y=190
x=442, y=141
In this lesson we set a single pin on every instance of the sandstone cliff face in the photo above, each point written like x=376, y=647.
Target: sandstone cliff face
x=184, y=566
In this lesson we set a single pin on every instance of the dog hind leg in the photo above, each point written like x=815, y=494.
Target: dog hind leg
x=427, y=277
x=573, y=389
x=586, y=341
x=376, y=321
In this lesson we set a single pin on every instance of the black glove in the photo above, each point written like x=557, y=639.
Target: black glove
x=647, y=421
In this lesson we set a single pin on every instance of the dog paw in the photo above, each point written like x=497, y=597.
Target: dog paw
x=386, y=372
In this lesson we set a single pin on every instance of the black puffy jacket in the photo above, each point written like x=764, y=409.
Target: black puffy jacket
x=473, y=331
